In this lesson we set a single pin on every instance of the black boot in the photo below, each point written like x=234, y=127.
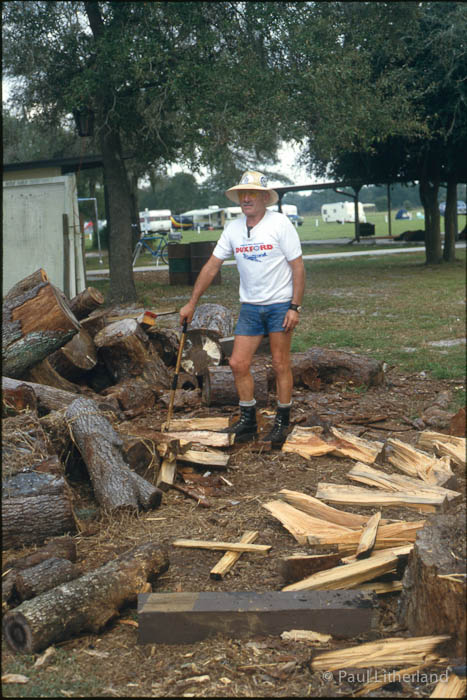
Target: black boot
x=280, y=428
x=246, y=427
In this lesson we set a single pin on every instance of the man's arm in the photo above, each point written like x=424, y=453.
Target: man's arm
x=204, y=279
x=298, y=281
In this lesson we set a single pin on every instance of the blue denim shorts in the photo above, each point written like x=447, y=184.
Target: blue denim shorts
x=261, y=320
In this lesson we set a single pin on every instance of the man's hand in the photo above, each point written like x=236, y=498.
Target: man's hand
x=186, y=313
x=291, y=320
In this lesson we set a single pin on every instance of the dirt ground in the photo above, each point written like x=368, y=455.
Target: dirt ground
x=114, y=664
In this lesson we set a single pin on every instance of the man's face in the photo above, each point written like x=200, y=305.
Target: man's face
x=252, y=202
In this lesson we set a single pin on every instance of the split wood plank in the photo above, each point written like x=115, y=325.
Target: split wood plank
x=307, y=442
x=380, y=587
x=229, y=559
x=430, y=660
x=368, y=537
x=318, y=509
x=416, y=463
x=349, y=445
x=387, y=535
x=353, y=495
x=454, y=687
x=167, y=474
x=207, y=458
x=397, y=482
x=204, y=437
x=210, y=423
x=392, y=651
x=227, y=546
x=445, y=445
x=181, y=618
x=350, y=575
x=300, y=524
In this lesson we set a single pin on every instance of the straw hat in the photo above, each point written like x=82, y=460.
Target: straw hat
x=252, y=180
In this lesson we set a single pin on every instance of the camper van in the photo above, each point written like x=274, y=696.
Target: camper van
x=342, y=212
x=155, y=221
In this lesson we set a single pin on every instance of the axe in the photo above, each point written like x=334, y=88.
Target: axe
x=175, y=378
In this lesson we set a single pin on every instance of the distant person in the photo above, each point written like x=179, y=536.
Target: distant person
x=268, y=253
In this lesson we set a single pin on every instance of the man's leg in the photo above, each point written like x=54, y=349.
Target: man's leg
x=280, y=351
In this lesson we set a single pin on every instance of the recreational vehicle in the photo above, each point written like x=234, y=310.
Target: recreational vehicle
x=155, y=220
x=342, y=212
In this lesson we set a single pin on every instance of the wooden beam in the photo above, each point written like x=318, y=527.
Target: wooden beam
x=300, y=524
x=318, y=509
x=230, y=558
x=167, y=473
x=181, y=618
x=398, y=482
x=227, y=546
x=368, y=538
x=353, y=495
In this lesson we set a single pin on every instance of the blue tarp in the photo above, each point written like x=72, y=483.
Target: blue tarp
x=402, y=214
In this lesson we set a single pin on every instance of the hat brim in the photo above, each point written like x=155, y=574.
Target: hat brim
x=232, y=193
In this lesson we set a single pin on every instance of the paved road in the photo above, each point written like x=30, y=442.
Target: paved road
x=97, y=274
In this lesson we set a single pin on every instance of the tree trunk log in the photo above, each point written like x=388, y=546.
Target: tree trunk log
x=450, y=222
x=40, y=578
x=59, y=547
x=134, y=397
x=16, y=400
x=219, y=386
x=35, y=507
x=320, y=365
x=127, y=353
x=44, y=373
x=165, y=342
x=428, y=188
x=213, y=317
x=433, y=595
x=201, y=350
x=36, y=322
x=26, y=284
x=85, y=604
x=75, y=358
x=85, y=302
x=115, y=485
x=95, y=322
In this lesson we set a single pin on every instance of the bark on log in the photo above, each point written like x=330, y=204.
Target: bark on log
x=95, y=322
x=127, y=353
x=59, y=547
x=51, y=399
x=44, y=373
x=434, y=584
x=201, y=350
x=18, y=399
x=134, y=397
x=321, y=365
x=214, y=317
x=219, y=386
x=165, y=342
x=86, y=301
x=34, y=508
x=76, y=357
x=85, y=604
x=44, y=576
x=115, y=485
x=36, y=322
x=26, y=284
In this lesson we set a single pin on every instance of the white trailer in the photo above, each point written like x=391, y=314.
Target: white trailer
x=154, y=220
x=342, y=212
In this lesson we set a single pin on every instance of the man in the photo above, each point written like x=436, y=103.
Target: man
x=268, y=254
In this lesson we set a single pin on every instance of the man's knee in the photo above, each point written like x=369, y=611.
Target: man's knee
x=281, y=364
x=238, y=365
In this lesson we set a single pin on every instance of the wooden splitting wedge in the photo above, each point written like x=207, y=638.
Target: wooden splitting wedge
x=175, y=378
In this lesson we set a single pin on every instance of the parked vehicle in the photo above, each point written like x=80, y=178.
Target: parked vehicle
x=342, y=212
x=155, y=220
x=295, y=219
x=461, y=207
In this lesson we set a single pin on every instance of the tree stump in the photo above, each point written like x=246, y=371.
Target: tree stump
x=44, y=576
x=321, y=365
x=213, y=317
x=36, y=322
x=35, y=506
x=127, y=353
x=434, y=584
x=219, y=386
x=85, y=604
x=76, y=357
x=115, y=485
x=86, y=301
x=201, y=350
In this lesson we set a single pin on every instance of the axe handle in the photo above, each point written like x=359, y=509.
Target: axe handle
x=175, y=377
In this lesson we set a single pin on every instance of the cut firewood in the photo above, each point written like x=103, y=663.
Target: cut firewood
x=393, y=651
x=300, y=524
x=184, y=424
x=305, y=636
x=417, y=463
x=200, y=498
x=115, y=485
x=307, y=442
x=429, y=660
x=35, y=506
x=353, y=495
x=229, y=559
x=227, y=546
x=44, y=373
x=167, y=474
x=386, y=536
x=351, y=574
x=219, y=386
x=380, y=587
x=206, y=458
x=86, y=301
x=18, y=399
x=368, y=537
x=76, y=357
x=85, y=604
x=203, y=437
x=453, y=687
x=202, y=349
x=299, y=566
x=127, y=353
x=44, y=576
x=36, y=321
x=214, y=317
x=318, y=509
x=445, y=445
x=349, y=445
x=397, y=482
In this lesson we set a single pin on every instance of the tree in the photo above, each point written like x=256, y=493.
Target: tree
x=166, y=82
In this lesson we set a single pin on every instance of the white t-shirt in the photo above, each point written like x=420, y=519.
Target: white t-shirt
x=263, y=257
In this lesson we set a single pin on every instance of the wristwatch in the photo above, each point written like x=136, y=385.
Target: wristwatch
x=295, y=307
